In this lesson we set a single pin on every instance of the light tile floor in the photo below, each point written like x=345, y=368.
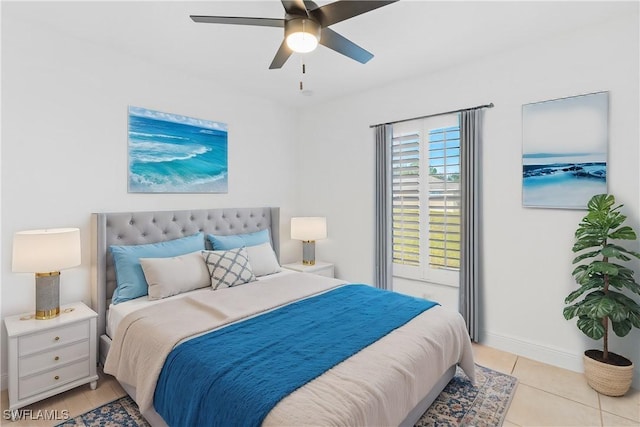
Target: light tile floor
x=545, y=396
x=550, y=396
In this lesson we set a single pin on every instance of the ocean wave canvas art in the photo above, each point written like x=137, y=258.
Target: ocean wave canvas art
x=564, y=151
x=170, y=153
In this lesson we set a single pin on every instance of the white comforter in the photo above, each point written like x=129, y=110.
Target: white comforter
x=377, y=386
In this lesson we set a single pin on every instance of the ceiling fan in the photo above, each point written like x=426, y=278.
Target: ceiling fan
x=306, y=24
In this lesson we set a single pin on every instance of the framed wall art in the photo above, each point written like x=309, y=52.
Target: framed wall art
x=564, y=151
x=171, y=153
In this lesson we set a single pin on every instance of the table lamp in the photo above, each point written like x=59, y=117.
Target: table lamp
x=45, y=253
x=308, y=229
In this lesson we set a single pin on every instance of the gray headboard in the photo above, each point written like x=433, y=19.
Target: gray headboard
x=136, y=228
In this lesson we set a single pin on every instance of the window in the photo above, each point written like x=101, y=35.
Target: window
x=426, y=199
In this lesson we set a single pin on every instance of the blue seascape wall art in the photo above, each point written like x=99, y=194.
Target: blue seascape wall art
x=170, y=153
x=564, y=151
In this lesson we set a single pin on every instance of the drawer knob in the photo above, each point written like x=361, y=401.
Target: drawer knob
x=56, y=358
x=56, y=377
x=57, y=338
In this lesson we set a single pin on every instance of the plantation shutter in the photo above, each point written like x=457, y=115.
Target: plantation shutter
x=406, y=199
x=444, y=197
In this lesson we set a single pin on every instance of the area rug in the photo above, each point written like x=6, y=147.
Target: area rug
x=462, y=404
x=459, y=404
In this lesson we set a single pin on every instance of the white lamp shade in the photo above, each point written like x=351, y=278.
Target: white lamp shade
x=309, y=228
x=43, y=251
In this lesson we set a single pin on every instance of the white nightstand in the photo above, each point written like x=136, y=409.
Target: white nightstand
x=320, y=268
x=47, y=357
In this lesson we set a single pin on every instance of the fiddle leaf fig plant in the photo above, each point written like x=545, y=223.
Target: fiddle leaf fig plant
x=601, y=276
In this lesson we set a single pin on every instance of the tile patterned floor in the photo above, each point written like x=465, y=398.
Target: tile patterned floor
x=546, y=396
x=551, y=396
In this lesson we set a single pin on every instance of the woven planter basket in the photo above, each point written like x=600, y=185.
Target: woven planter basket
x=608, y=379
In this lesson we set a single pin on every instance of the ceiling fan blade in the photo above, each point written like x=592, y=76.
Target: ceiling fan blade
x=295, y=7
x=310, y=5
x=281, y=56
x=338, y=11
x=262, y=22
x=335, y=41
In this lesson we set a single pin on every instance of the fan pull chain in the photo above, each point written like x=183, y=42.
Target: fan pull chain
x=304, y=71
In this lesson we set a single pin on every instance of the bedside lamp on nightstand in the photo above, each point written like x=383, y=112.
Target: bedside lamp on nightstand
x=45, y=253
x=308, y=229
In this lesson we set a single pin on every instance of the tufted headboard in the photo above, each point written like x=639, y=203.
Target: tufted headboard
x=136, y=228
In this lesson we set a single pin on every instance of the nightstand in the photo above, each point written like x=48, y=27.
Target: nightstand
x=47, y=357
x=320, y=268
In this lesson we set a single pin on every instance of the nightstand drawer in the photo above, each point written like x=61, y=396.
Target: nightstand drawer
x=59, y=336
x=28, y=365
x=35, y=384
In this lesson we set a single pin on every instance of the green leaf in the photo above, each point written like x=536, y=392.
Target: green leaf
x=573, y=295
x=624, y=271
x=585, y=243
x=585, y=255
x=634, y=318
x=580, y=272
x=570, y=312
x=614, y=220
x=613, y=251
x=601, y=202
x=587, y=286
x=622, y=281
x=591, y=327
x=623, y=233
x=625, y=250
x=621, y=328
x=594, y=281
x=632, y=286
x=624, y=300
x=598, y=307
x=604, y=268
x=619, y=312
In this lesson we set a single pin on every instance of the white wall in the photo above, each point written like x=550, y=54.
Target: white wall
x=526, y=253
x=64, y=145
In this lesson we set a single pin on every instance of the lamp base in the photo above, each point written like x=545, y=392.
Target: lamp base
x=47, y=295
x=309, y=252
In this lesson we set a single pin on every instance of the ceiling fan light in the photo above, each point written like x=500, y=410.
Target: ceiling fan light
x=302, y=42
x=302, y=34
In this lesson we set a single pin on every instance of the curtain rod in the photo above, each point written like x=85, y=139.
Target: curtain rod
x=490, y=105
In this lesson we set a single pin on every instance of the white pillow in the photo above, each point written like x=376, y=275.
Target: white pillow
x=263, y=260
x=175, y=275
x=228, y=268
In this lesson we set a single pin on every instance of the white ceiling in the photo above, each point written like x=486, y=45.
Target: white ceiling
x=408, y=38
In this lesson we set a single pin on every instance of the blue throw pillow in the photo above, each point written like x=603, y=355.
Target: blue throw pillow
x=234, y=241
x=129, y=275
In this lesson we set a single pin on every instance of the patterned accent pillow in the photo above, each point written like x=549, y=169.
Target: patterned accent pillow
x=228, y=268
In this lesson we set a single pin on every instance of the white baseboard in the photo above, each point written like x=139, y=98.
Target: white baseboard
x=541, y=353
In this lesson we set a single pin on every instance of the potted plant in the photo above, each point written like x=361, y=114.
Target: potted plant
x=601, y=280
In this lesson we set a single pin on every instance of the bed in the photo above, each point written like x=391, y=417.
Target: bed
x=392, y=381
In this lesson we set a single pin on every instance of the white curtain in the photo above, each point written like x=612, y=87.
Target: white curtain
x=383, y=216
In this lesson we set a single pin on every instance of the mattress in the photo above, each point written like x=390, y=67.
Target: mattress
x=117, y=312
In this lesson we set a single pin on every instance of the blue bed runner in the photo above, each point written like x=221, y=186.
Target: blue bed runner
x=235, y=375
